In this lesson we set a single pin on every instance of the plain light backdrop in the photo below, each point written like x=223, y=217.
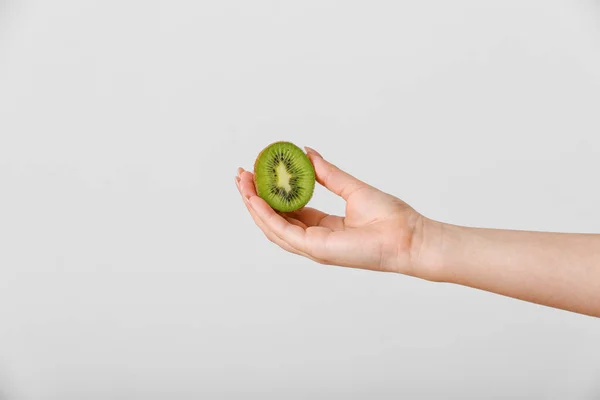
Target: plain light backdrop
x=129, y=267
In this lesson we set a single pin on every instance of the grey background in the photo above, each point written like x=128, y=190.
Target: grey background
x=129, y=267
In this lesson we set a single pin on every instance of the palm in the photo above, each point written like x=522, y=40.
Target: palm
x=369, y=205
x=375, y=232
x=377, y=222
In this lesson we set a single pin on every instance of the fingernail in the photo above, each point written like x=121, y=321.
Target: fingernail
x=312, y=151
x=240, y=171
x=237, y=181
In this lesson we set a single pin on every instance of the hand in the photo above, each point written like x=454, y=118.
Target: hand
x=379, y=232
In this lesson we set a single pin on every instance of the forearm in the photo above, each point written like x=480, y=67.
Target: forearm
x=554, y=269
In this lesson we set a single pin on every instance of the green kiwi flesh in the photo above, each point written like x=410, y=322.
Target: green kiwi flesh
x=284, y=176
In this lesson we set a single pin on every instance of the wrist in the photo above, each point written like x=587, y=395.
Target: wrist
x=429, y=251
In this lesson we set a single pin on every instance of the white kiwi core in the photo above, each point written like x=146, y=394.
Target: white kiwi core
x=283, y=177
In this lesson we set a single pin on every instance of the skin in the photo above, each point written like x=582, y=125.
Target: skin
x=382, y=233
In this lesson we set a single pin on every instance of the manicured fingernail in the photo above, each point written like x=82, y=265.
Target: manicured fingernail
x=312, y=151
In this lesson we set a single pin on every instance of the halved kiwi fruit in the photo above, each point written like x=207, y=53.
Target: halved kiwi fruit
x=284, y=176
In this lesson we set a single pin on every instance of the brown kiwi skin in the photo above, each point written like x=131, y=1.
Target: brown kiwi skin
x=258, y=157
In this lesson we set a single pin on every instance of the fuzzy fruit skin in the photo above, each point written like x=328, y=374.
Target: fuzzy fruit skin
x=256, y=163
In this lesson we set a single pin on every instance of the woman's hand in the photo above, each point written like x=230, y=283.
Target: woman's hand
x=379, y=231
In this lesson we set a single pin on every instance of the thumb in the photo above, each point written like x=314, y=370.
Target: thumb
x=333, y=178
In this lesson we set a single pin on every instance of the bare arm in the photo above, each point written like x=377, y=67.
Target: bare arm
x=381, y=232
x=554, y=269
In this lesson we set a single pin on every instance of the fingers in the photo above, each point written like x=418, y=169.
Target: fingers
x=333, y=178
x=246, y=184
x=293, y=235
x=309, y=216
x=246, y=188
x=311, y=241
x=312, y=217
x=294, y=221
x=270, y=235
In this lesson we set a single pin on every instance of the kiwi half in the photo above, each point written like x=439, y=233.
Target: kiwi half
x=284, y=176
